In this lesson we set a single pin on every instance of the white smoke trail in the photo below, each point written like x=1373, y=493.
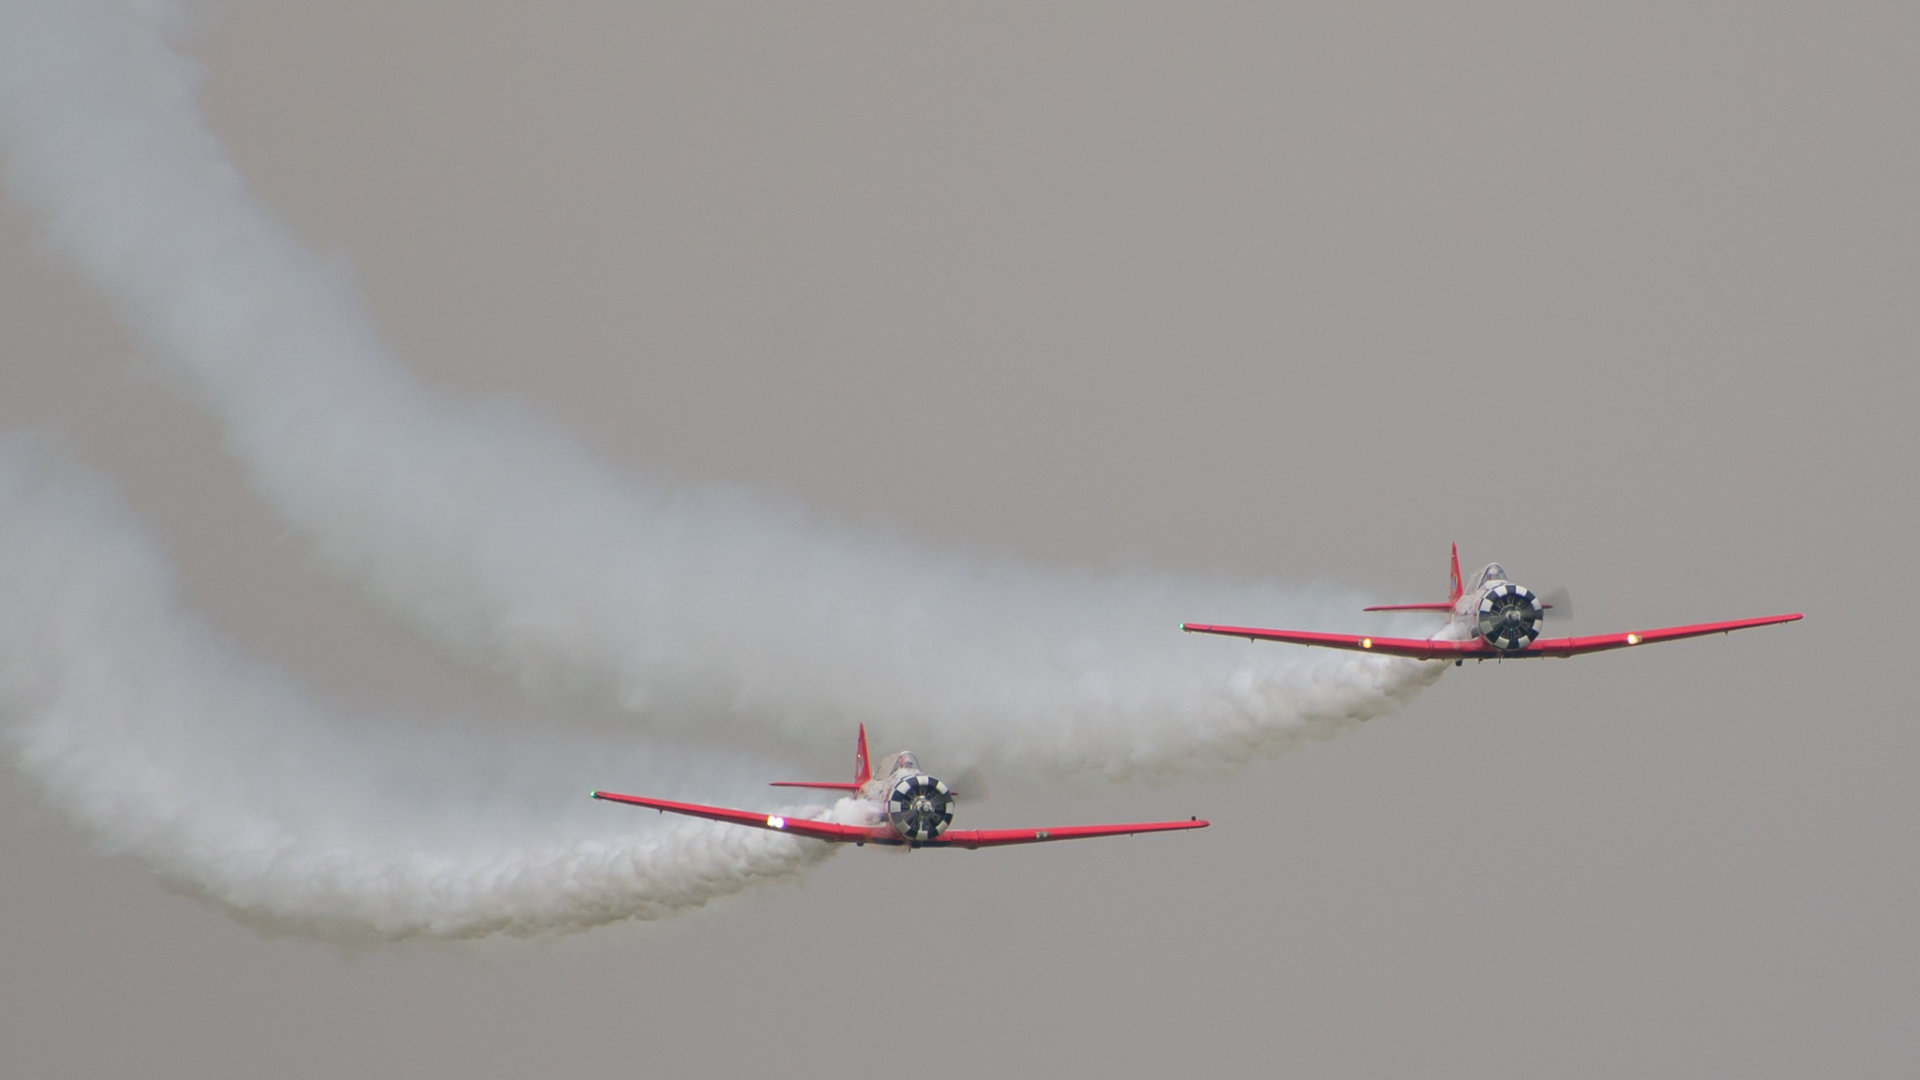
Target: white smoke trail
x=508, y=544
x=236, y=787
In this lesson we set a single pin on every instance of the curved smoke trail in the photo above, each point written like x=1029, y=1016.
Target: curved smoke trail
x=235, y=786
x=508, y=544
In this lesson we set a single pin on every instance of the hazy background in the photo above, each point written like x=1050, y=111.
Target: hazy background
x=1626, y=299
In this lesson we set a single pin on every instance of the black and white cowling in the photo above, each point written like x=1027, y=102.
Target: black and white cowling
x=1510, y=617
x=919, y=807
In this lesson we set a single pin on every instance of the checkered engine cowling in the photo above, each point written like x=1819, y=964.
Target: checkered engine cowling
x=919, y=807
x=1510, y=617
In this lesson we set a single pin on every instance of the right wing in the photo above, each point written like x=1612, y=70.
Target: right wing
x=818, y=830
x=1417, y=648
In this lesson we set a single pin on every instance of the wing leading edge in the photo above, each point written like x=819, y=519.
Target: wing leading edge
x=979, y=838
x=1476, y=649
x=881, y=834
x=818, y=830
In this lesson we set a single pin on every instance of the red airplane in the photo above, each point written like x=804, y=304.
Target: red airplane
x=903, y=807
x=1495, y=620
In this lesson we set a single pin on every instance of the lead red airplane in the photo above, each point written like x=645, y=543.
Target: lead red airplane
x=901, y=807
x=1494, y=620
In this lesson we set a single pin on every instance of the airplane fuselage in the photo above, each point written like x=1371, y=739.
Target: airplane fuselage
x=1506, y=615
x=912, y=803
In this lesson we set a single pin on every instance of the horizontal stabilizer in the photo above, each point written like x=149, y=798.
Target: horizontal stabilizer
x=1435, y=606
x=824, y=785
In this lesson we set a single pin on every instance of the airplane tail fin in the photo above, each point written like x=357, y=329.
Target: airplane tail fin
x=861, y=772
x=1454, y=591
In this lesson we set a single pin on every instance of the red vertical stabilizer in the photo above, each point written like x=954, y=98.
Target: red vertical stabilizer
x=1453, y=593
x=861, y=773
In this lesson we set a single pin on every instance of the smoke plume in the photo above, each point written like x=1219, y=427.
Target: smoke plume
x=698, y=611
x=236, y=786
x=505, y=542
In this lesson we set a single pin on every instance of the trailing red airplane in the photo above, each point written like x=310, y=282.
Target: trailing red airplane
x=1494, y=620
x=904, y=806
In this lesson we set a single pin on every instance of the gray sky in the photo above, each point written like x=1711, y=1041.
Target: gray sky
x=1625, y=299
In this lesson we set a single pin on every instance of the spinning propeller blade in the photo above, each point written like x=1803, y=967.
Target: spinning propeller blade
x=970, y=785
x=1559, y=605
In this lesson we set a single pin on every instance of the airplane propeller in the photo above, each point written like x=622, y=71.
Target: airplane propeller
x=970, y=785
x=1558, y=604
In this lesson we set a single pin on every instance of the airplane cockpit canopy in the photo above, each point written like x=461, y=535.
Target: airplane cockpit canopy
x=903, y=761
x=1493, y=572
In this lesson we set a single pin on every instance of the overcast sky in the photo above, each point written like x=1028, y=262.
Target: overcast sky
x=1627, y=298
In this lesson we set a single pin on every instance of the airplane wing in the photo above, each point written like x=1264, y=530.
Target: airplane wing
x=979, y=838
x=1476, y=649
x=1574, y=646
x=818, y=830
x=1417, y=648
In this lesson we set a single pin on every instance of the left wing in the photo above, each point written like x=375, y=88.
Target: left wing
x=818, y=830
x=979, y=838
x=1477, y=649
x=1574, y=646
